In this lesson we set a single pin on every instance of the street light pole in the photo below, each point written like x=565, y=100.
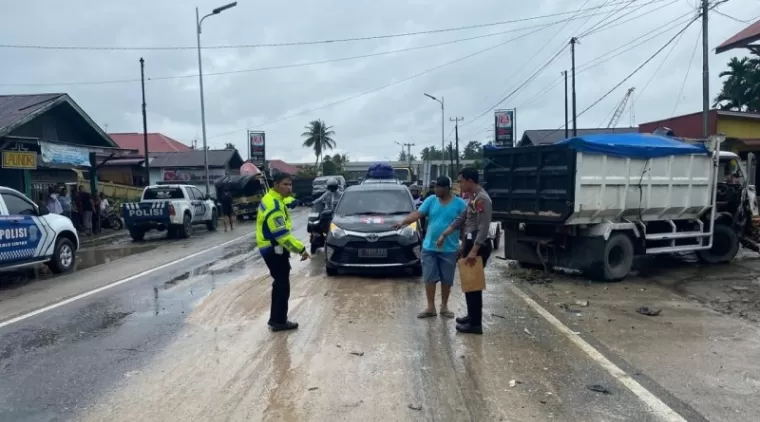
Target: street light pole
x=443, y=130
x=198, y=22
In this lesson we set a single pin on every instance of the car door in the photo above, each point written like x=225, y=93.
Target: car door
x=23, y=235
x=198, y=204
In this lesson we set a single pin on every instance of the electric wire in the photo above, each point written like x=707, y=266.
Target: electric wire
x=688, y=69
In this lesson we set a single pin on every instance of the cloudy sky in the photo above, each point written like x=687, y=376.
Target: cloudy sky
x=373, y=101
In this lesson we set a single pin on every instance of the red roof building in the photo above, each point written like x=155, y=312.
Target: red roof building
x=744, y=39
x=157, y=142
x=282, y=167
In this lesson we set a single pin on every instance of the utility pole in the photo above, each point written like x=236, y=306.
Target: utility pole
x=567, y=121
x=408, y=146
x=705, y=72
x=451, y=160
x=145, y=123
x=456, y=121
x=574, y=41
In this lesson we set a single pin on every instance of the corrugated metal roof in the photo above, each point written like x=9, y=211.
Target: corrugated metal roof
x=194, y=158
x=14, y=108
x=157, y=142
x=745, y=37
x=550, y=136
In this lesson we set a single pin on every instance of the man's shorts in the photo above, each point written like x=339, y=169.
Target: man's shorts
x=439, y=266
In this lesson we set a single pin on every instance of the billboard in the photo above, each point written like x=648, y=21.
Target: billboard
x=504, y=131
x=257, y=150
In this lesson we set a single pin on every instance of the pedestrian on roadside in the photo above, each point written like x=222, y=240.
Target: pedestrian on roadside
x=97, y=209
x=85, y=207
x=226, y=200
x=476, y=221
x=276, y=242
x=439, y=259
x=65, y=201
x=53, y=204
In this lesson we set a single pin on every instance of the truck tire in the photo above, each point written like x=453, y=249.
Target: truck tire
x=64, y=257
x=186, y=229
x=211, y=224
x=725, y=246
x=617, y=258
x=137, y=234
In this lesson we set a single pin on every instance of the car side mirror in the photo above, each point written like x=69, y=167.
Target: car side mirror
x=42, y=210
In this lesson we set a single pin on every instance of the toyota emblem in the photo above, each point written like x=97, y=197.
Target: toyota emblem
x=372, y=237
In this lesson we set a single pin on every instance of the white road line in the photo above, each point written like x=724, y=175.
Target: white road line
x=658, y=408
x=115, y=283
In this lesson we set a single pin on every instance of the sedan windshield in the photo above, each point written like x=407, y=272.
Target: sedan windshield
x=383, y=202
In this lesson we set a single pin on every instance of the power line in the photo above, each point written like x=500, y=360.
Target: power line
x=301, y=43
x=295, y=65
x=752, y=20
x=396, y=82
x=662, y=63
x=600, y=99
x=688, y=69
x=609, y=25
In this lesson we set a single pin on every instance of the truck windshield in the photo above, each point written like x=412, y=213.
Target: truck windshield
x=373, y=201
x=163, y=193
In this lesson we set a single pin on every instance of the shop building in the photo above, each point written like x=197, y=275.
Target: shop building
x=188, y=167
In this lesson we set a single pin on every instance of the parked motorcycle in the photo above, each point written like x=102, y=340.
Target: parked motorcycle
x=111, y=220
x=317, y=226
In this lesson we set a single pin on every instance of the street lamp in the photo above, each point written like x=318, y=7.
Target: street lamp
x=443, y=135
x=198, y=22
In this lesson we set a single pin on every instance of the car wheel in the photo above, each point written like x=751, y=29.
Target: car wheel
x=115, y=222
x=186, y=229
x=137, y=234
x=331, y=271
x=212, y=224
x=64, y=257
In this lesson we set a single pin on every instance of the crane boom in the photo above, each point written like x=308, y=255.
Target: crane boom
x=620, y=108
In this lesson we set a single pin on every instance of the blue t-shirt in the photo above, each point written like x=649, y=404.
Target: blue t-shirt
x=439, y=218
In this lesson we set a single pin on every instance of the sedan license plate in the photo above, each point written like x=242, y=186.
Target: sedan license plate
x=373, y=253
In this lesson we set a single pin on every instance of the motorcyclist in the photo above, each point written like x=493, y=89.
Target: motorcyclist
x=415, y=190
x=331, y=196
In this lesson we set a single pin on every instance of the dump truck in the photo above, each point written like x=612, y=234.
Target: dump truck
x=594, y=203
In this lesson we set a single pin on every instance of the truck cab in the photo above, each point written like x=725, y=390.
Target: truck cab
x=30, y=235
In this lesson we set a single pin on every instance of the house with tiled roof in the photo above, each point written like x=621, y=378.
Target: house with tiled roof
x=157, y=142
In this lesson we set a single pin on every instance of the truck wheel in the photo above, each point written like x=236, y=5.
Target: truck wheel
x=186, y=229
x=617, y=259
x=137, y=234
x=211, y=224
x=725, y=246
x=64, y=257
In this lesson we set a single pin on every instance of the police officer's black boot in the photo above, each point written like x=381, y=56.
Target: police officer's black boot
x=287, y=326
x=463, y=320
x=473, y=322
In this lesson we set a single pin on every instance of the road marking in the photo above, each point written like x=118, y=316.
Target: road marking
x=116, y=283
x=656, y=406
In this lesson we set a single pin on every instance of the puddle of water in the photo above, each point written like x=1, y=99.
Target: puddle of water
x=89, y=258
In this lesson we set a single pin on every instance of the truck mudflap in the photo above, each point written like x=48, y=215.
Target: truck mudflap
x=146, y=213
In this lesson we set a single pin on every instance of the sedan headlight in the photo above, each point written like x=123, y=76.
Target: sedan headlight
x=336, y=231
x=408, y=231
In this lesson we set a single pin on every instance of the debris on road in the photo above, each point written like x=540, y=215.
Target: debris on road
x=313, y=388
x=498, y=316
x=357, y=353
x=648, y=312
x=416, y=407
x=740, y=288
x=583, y=303
x=513, y=383
x=598, y=388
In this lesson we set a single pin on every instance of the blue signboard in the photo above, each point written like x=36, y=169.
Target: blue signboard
x=20, y=236
x=64, y=154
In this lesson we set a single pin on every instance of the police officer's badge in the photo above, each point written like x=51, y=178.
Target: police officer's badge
x=33, y=233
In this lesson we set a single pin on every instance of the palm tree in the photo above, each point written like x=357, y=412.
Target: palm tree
x=340, y=161
x=319, y=138
x=741, y=88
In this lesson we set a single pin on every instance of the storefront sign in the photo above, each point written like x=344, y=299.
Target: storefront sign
x=64, y=155
x=257, y=151
x=191, y=176
x=24, y=160
x=505, y=128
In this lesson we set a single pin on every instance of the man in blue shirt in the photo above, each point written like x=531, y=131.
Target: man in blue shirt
x=438, y=263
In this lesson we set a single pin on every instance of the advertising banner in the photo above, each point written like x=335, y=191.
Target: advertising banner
x=504, y=132
x=257, y=150
x=64, y=154
x=25, y=160
x=193, y=176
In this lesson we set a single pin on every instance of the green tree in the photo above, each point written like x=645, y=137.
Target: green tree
x=430, y=153
x=329, y=167
x=403, y=157
x=340, y=161
x=229, y=145
x=741, y=86
x=306, y=172
x=319, y=138
x=472, y=151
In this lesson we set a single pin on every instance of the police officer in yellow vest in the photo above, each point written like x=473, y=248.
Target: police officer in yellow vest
x=276, y=243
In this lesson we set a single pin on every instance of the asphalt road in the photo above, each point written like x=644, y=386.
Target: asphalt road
x=179, y=333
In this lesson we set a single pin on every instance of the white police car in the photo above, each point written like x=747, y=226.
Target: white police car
x=31, y=235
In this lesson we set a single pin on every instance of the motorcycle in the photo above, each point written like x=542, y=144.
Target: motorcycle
x=317, y=226
x=111, y=220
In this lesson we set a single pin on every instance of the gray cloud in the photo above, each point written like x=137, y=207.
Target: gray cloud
x=366, y=126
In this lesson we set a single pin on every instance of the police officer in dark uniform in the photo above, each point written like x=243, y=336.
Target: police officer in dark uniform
x=476, y=221
x=276, y=242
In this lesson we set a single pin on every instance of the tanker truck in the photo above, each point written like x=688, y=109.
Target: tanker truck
x=593, y=203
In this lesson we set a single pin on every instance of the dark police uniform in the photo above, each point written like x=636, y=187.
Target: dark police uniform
x=475, y=221
x=276, y=242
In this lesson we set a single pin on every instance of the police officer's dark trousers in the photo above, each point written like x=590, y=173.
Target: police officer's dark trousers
x=279, y=269
x=475, y=299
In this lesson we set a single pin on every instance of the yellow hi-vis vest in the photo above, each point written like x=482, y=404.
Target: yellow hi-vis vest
x=273, y=225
